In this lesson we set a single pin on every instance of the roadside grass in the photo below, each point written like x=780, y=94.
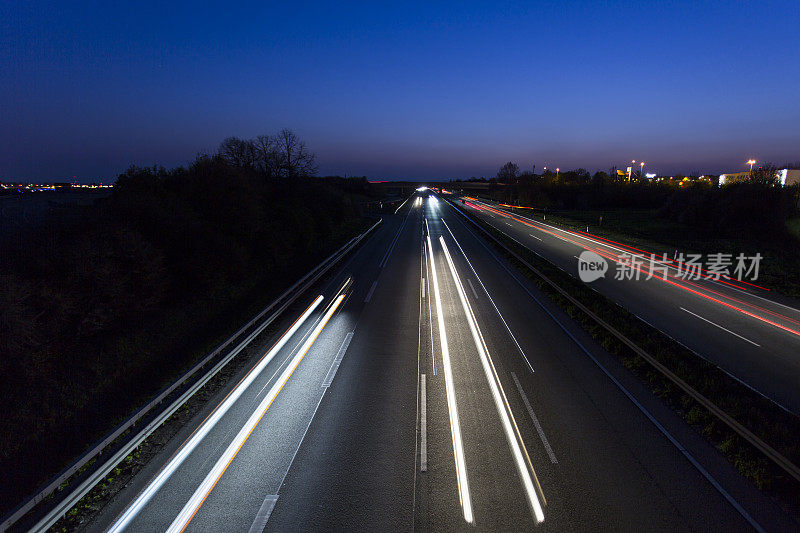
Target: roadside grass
x=764, y=418
x=643, y=228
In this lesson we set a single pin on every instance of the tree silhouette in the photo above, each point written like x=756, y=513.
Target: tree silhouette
x=294, y=158
x=509, y=171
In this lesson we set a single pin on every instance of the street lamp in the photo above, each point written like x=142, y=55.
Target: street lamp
x=751, y=162
x=641, y=169
x=557, y=173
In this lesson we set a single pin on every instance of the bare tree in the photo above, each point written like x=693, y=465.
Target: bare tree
x=238, y=152
x=508, y=172
x=294, y=157
x=267, y=157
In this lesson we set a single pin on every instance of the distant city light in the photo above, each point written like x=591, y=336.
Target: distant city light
x=35, y=187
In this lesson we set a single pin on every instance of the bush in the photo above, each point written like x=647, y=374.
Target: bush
x=100, y=306
x=749, y=208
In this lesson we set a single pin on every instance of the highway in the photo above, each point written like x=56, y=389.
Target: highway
x=750, y=333
x=429, y=387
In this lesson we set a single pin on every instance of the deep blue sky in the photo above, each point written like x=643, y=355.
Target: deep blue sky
x=403, y=90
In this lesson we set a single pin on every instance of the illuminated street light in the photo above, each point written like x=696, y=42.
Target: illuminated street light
x=751, y=162
x=557, y=172
x=641, y=169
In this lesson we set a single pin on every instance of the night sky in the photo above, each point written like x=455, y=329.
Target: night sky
x=402, y=90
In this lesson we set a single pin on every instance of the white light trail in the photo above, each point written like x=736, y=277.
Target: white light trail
x=506, y=417
x=483, y=286
x=202, y=492
x=400, y=206
x=455, y=426
x=208, y=425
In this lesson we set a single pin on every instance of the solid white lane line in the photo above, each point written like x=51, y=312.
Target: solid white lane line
x=604, y=244
x=764, y=299
x=421, y=406
x=485, y=290
x=337, y=361
x=720, y=327
x=430, y=311
x=211, y=479
x=208, y=424
x=471, y=286
x=260, y=521
x=423, y=427
x=730, y=499
x=371, y=290
x=536, y=423
x=385, y=258
x=455, y=425
x=642, y=256
x=518, y=451
x=535, y=237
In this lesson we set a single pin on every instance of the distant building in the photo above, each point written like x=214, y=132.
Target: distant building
x=785, y=176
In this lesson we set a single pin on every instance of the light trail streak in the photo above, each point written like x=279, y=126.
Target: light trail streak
x=455, y=426
x=211, y=479
x=209, y=423
x=400, y=206
x=483, y=286
x=518, y=451
x=635, y=402
x=716, y=300
x=641, y=268
x=596, y=240
x=430, y=311
x=670, y=260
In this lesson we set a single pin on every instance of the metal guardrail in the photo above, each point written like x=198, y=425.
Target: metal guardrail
x=776, y=457
x=86, y=485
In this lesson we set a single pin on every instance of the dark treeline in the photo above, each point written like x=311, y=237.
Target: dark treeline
x=739, y=209
x=757, y=206
x=102, y=305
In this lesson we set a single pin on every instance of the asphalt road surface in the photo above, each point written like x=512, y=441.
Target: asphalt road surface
x=750, y=333
x=432, y=388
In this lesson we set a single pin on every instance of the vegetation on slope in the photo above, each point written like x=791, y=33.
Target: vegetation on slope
x=103, y=305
